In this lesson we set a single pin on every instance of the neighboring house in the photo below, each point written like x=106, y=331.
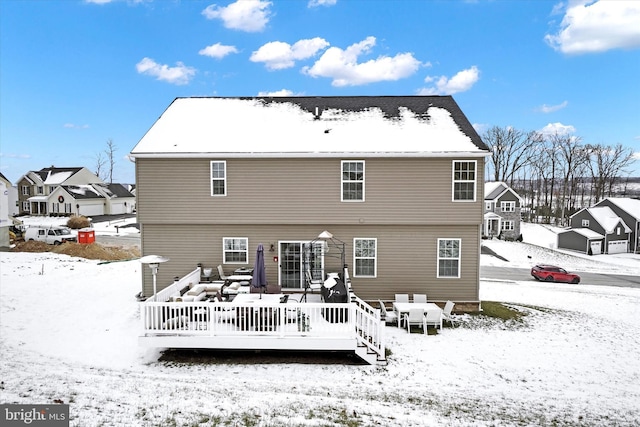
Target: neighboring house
x=629, y=211
x=70, y=191
x=609, y=233
x=398, y=179
x=502, y=208
x=9, y=196
x=4, y=215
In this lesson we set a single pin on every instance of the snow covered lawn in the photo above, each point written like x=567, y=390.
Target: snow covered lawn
x=69, y=326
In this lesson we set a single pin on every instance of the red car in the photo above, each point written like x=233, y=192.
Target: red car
x=552, y=273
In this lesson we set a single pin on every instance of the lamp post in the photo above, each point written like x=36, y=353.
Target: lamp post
x=154, y=262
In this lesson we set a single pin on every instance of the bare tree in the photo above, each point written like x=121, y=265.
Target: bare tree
x=511, y=150
x=607, y=163
x=110, y=152
x=570, y=155
x=100, y=162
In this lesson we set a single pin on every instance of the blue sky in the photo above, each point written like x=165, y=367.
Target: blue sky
x=75, y=73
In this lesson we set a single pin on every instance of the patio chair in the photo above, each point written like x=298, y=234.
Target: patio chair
x=447, y=314
x=387, y=316
x=402, y=297
x=414, y=317
x=433, y=318
x=312, y=283
x=221, y=273
x=420, y=298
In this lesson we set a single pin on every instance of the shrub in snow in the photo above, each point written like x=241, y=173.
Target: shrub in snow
x=77, y=222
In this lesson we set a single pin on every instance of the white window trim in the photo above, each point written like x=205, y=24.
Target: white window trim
x=508, y=206
x=453, y=180
x=211, y=179
x=459, y=258
x=342, y=181
x=585, y=222
x=224, y=250
x=487, y=206
x=375, y=258
x=505, y=223
x=25, y=190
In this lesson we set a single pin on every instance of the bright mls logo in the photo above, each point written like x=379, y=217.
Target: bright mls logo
x=34, y=415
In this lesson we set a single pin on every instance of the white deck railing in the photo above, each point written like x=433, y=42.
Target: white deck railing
x=354, y=320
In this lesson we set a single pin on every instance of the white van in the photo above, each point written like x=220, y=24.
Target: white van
x=50, y=235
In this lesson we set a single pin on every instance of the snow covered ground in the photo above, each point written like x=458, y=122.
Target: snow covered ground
x=68, y=329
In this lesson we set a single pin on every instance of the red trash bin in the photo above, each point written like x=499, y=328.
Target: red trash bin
x=86, y=235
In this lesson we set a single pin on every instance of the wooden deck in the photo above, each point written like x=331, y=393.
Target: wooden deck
x=255, y=323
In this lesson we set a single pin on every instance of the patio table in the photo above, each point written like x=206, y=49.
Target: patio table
x=400, y=308
x=256, y=311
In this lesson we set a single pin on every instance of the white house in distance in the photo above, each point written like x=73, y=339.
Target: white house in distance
x=68, y=191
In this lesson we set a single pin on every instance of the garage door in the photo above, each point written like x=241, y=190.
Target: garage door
x=596, y=247
x=618, y=246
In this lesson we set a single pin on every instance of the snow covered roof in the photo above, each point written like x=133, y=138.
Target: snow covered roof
x=630, y=206
x=56, y=176
x=82, y=192
x=414, y=126
x=586, y=232
x=493, y=190
x=607, y=218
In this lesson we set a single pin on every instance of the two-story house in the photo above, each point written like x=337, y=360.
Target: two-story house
x=628, y=210
x=596, y=230
x=502, y=206
x=74, y=190
x=398, y=179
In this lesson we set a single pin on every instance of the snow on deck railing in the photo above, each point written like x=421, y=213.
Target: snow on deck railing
x=228, y=318
x=176, y=286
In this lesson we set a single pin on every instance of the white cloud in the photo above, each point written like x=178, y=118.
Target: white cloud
x=316, y=3
x=589, y=27
x=218, y=51
x=552, y=108
x=343, y=67
x=280, y=55
x=74, y=126
x=461, y=82
x=179, y=75
x=281, y=92
x=245, y=15
x=557, y=128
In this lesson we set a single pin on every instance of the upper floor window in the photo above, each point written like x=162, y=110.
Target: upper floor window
x=585, y=222
x=352, y=181
x=40, y=189
x=464, y=180
x=508, y=206
x=235, y=250
x=449, y=257
x=487, y=206
x=365, y=257
x=25, y=190
x=219, y=178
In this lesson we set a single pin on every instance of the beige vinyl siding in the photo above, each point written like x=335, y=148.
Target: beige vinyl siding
x=302, y=191
x=406, y=255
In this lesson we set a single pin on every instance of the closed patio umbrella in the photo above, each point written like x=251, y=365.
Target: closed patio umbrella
x=259, y=279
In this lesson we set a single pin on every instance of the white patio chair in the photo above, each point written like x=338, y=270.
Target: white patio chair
x=221, y=273
x=387, y=316
x=402, y=297
x=447, y=314
x=415, y=317
x=420, y=298
x=433, y=318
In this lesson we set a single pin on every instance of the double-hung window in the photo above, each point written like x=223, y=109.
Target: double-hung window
x=235, y=250
x=464, y=180
x=508, y=206
x=353, y=181
x=449, y=258
x=25, y=190
x=365, y=257
x=507, y=225
x=219, y=178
